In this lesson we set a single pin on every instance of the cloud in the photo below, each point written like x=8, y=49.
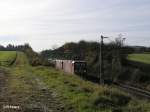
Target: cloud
x=43, y=23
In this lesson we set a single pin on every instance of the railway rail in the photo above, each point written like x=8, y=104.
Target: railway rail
x=140, y=93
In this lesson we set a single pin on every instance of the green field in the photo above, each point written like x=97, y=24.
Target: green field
x=7, y=57
x=143, y=58
x=29, y=85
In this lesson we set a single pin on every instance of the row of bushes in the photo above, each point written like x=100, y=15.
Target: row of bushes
x=35, y=59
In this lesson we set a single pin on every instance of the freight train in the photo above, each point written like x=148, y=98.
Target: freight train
x=72, y=66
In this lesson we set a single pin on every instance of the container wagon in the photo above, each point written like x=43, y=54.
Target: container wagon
x=72, y=66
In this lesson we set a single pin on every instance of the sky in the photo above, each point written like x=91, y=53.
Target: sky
x=47, y=23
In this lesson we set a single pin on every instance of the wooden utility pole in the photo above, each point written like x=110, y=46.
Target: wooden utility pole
x=101, y=60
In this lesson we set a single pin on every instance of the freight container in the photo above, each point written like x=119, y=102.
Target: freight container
x=71, y=66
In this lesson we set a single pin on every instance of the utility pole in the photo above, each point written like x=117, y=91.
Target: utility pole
x=101, y=60
x=123, y=39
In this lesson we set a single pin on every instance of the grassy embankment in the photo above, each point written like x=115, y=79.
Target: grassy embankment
x=83, y=96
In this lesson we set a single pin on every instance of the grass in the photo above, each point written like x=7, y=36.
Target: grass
x=7, y=57
x=78, y=94
x=86, y=96
x=143, y=58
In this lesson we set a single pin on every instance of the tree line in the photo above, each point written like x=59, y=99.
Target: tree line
x=114, y=54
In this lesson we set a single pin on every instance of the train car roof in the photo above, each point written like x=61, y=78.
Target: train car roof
x=73, y=61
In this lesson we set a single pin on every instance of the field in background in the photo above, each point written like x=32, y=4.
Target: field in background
x=7, y=57
x=143, y=58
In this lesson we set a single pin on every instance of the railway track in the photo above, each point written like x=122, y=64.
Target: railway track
x=140, y=93
x=134, y=91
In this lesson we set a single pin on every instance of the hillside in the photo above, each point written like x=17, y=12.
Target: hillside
x=44, y=88
x=88, y=51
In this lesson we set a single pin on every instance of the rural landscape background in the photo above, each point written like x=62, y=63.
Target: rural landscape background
x=29, y=80
x=74, y=56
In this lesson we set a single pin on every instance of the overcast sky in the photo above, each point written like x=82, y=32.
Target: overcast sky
x=44, y=23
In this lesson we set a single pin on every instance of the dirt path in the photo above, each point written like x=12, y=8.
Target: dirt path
x=39, y=99
x=2, y=90
x=43, y=99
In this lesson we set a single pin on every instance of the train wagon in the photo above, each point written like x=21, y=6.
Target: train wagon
x=59, y=64
x=72, y=66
